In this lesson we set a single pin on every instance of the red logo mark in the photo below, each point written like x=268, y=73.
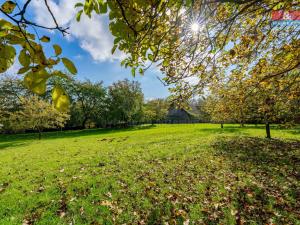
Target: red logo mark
x=286, y=15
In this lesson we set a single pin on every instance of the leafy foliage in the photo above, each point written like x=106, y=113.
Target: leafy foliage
x=245, y=99
x=37, y=68
x=37, y=114
x=88, y=103
x=232, y=34
x=125, y=102
x=156, y=110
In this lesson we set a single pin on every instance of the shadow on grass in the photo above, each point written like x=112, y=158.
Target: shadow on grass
x=227, y=129
x=267, y=178
x=294, y=131
x=14, y=140
x=10, y=145
x=236, y=129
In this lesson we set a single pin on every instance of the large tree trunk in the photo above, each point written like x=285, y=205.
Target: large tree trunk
x=268, y=130
x=40, y=135
x=222, y=125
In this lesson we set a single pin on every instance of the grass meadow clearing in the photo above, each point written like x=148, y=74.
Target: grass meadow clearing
x=152, y=174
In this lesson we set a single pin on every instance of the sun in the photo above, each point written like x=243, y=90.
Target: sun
x=195, y=27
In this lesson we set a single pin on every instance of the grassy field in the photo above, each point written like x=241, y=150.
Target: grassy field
x=163, y=174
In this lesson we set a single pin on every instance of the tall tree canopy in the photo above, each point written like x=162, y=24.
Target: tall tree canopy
x=125, y=102
x=202, y=39
x=37, y=114
x=199, y=39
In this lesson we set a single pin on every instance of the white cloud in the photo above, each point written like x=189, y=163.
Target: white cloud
x=92, y=34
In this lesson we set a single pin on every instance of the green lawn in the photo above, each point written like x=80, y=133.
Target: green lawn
x=161, y=174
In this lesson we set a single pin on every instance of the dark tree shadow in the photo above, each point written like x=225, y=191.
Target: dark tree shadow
x=227, y=129
x=9, y=145
x=260, y=151
x=294, y=131
x=268, y=178
x=13, y=140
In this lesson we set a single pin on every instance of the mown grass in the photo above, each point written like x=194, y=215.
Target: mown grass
x=161, y=174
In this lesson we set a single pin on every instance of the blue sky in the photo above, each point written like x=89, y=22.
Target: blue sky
x=109, y=71
x=89, y=46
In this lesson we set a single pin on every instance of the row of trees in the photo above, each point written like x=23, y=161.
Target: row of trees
x=122, y=103
x=246, y=99
x=248, y=65
x=91, y=105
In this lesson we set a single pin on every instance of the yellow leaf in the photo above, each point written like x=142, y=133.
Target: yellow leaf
x=8, y=7
x=60, y=99
x=23, y=70
x=7, y=57
x=60, y=74
x=45, y=39
x=36, y=82
x=57, y=50
x=5, y=25
x=69, y=65
x=24, y=59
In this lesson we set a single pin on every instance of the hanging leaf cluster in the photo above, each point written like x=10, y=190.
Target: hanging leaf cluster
x=16, y=43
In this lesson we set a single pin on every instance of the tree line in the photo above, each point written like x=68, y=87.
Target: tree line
x=92, y=105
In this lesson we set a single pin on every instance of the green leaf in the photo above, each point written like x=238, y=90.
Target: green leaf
x=133, y=71
x=45, y=39
x=117, y=40
x=69, y=65
x=3, y=33
x=141, y=71
x=24, y=58
x=150, y=57
x=78, y=4
x=114, y=49
x=60, y=100
x=78, y=15
x=166, y=63
x=8, y=7
x=57, y=50
x=103, y=8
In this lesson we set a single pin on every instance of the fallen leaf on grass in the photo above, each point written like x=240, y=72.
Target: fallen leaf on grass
x=81, y=210
x=106, y=203
x=62, y=214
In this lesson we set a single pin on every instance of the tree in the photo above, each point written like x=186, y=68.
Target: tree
x=88, y=102
x=246, y=98
x=188, y=39
x=200, y=38
x=11, y=90
x=125, y=100
x=218, y=111
x=11, y=93
x=37, y=114
x=197, y=108
x=277, y=101
x=156, y=110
